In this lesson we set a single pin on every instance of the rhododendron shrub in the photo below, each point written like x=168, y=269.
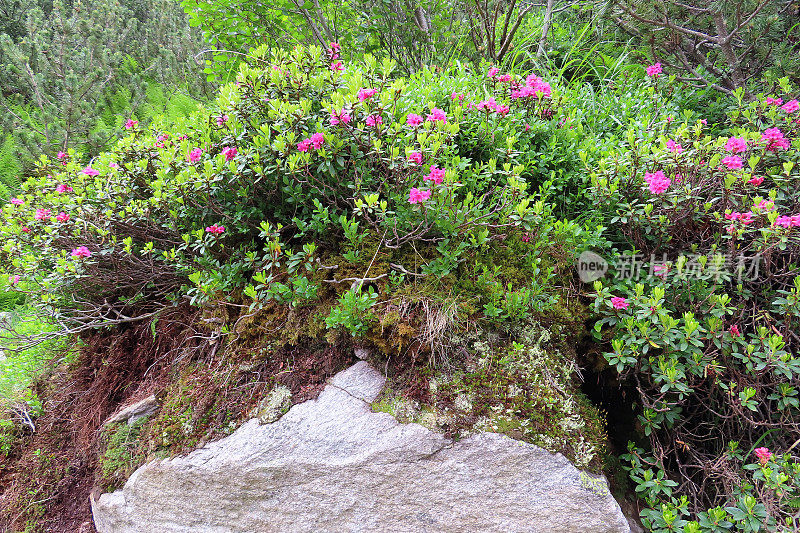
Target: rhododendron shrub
x=709, y=335
x=297, y=162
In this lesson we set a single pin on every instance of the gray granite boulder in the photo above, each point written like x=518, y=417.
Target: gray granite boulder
x=333, y=465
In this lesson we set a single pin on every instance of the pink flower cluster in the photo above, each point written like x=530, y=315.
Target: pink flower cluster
x=534, y=86
x=215, y=229
x=791, y=221
x=42, y=214
x=733, y=162
x=339, y=117
x=674, y=147
x=373, y=120
x=492, y=105
x=89, y=171
x=756, y=180
x=62, y=217
x=736, y=145
x=774, y=139
x=365, y=94
x=437, y=115
x=315, y=141
x=791, y=106
x=654, y=70
x=229, y=152
x=130, y=124
x=773, y=101
x=744, y=218
x=436, y=175
x=415, y=157
x=62, y=189
x=16, y=201
x=81, y=252
x=657, y=181
x=417, y=196
x=619, y=303
x=194, y=155
x=763, y=455
x=413, y=120
x=221, y=120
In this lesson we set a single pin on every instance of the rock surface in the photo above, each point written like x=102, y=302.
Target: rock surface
x=133, y=412
x=333, y=465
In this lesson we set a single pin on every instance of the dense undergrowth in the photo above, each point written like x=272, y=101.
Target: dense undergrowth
x=432, y=221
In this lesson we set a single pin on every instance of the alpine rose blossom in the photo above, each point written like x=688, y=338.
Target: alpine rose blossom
x=221, y=120
x=791, y=106
x=733, y=162
x=657, y=181
x=415, y=157
x=436, y=175
x=773, y=101
x=654, y=70
x=14, y=279
x=437, y=115
x=735, y=331
x=736, y=145
x=81, y=252
x=674, y=147
x=16, y=201
x=339, y=117
x=215, y=229
x=364, y=94
x=194, y=155
x=89, y=171
x=619, y=303
x=493, y=72
x=416, y=196
x=62, y=155
x=763, y=455
x=229, y=152
x=42, y=214
x=373, y=120
x=130, y=124
x=774, y=139
x=62, y=217
x=413, y=120
x=757, y=180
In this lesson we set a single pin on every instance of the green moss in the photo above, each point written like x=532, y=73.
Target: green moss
x=123, y=451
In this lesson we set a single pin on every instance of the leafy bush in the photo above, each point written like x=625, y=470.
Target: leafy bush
x=707, y=333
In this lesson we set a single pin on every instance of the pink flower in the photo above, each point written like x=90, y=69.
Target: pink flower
x=303, y=145
x=221, y=120
x=660, y=270
x=62, y=155
x=775, y=139
x=89, y=171
x=413, y=120
x=373, y=120
x=773, y=101
x=62, y=217
x=16, y=201
x=215, y=229
x=317, y=140
x=415, y=157
x=502, y=110
x=672, y=146
x=81, y=252
x=733, y=162
x=493, y=72
x=337, y=66
x=505, y=78
x=130, y=124
x=229, y=152
x=527, y=127
x=42, y=214
x=736, y=145
x=735, y=331
x=767, y=205
x=14, y=279
x=746, y=218
x=657, y=181
x=437, y=115
x=756, y=180
x=619, y=303
x=26, y=229
x=416, y=196
x=489, y=104
x=436, y=175
x=194, y=155
x=339, y=117
x=791, y=106
x=364, y=94
x=763, y=455
x=654, y=70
